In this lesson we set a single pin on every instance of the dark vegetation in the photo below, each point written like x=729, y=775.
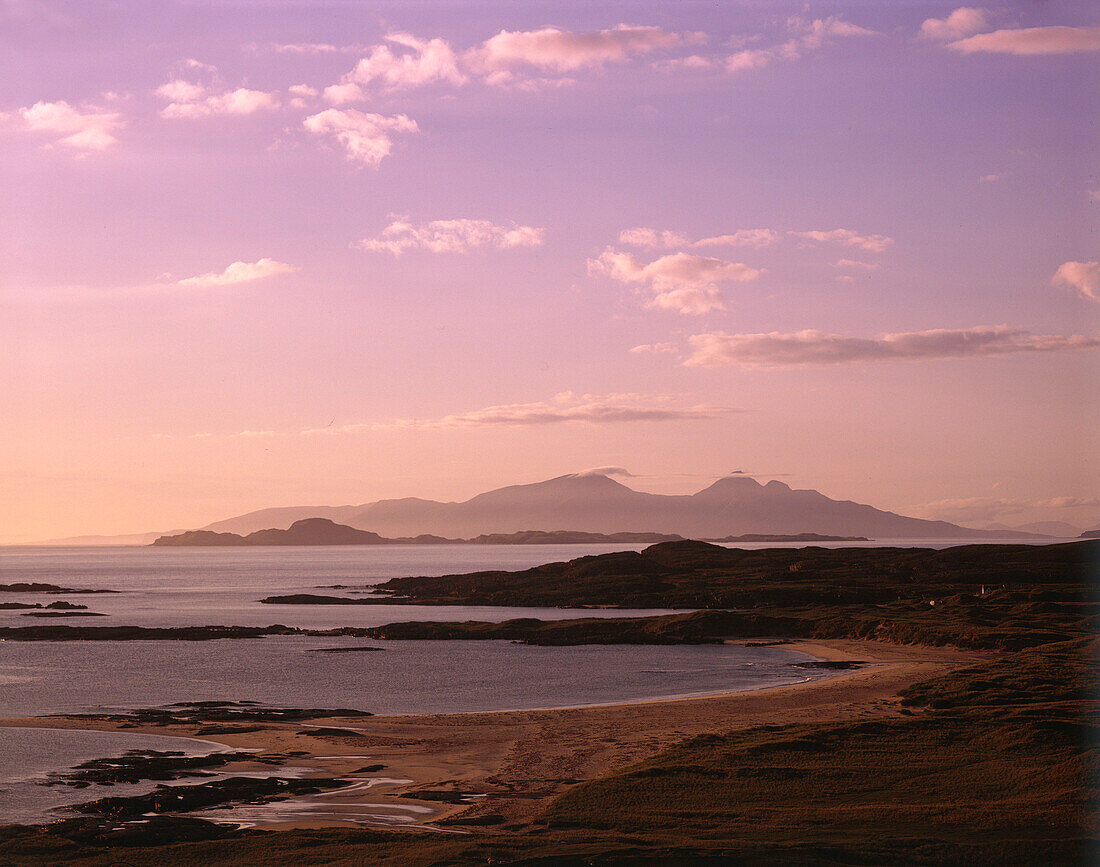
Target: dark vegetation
x=994, y=764
x=700, y=575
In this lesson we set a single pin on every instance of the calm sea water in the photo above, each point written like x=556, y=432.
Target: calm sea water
x=223, y=586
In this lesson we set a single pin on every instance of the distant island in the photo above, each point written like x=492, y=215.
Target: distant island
x=322, y=531
x=732, y=506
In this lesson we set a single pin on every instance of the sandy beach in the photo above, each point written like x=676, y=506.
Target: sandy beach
x=519, y=760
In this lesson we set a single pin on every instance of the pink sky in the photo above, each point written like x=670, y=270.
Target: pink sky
x=260, y=254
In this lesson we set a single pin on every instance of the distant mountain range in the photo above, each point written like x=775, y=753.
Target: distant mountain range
x=322, y=531
x=736, y=505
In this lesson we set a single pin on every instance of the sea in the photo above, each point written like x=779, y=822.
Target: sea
x=223, y=586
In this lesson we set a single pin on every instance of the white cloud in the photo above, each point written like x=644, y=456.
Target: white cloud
x=451, y=236
x=415, y=62
x=776, y=349
x=680, y=281
x=238, y=272
x=691, y=62
x=308, y=48
x=187, y=99
x=1032, y=41
x=565, y=407
x=83, y=129
x=524, y=59
x=181, y=91
x=855, y=263
x=622, y=472
x=655, y=348
x=554, y=49
x=643, y=237
x=301, y=95
x=740, y=238
x=1082, y=276
x=339, y=94
x=365, y=137
x=805, y=36
x=847, y=238
x=962, y=22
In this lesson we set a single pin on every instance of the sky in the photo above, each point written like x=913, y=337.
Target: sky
x=283, y=253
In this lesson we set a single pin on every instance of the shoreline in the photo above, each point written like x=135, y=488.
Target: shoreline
x=521, y=759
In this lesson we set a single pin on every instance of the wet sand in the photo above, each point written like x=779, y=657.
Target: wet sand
x=519, y=760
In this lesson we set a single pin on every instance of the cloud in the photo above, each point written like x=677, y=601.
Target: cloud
x=962, y=22
x=451, y=236
x=1082, y=276
x=692, y=61
x=655, y=348
x=680, y=281
x=307, y=48
x=339, y=94
x=301, y=94
x=622, y=472
x=643, y=237
x=978, y=509
x=83, y=129
x=557, y=50
x=238, y=272
x=565, y=407
x=805, y=36
x=415, y=62
x=365, y=137
x=189, y=99
x=524, y=59
x=855, y=263
x=847, y=238
x=1031, y=41
x=777, y=349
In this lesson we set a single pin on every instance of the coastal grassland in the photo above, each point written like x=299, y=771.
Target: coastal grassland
x=690, y=574
x=997, y=764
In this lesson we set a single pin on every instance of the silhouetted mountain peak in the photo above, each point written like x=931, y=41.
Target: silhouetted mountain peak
x=574, y=485
x=732, y=486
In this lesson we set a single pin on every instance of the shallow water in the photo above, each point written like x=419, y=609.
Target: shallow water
x=28, y=755
x=405, y=677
